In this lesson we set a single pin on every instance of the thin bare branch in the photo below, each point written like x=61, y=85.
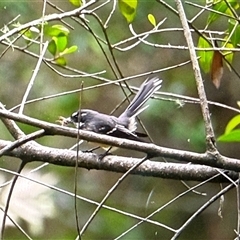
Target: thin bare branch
x=210, y=138
x=110, y=191
x=87, y=200
x=47, y=18
x=202, y=208
x=31, y=82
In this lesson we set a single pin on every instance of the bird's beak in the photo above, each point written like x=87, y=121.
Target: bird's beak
x=67, y=120
x=64, y=121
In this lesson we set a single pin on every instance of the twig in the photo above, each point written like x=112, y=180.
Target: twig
x=202, y=208
x=60, y=10
x=9, y=198
x=166, y=205
x=111, y=13
x=238, y=207
x=76, y=170
x=22, y=141
x=12, y=127
x=107, y=82
x=87, y=200
x=210, y=138
x=10, y=44
x=29, y=87
x=18, y=226
x=47, y=18
x=110, y=191
x=42, y=45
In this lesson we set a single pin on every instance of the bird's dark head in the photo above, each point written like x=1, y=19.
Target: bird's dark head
x=81, y=117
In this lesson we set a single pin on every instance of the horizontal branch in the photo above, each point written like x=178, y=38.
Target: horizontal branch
x=64, y=157
x=47, y=18
x=209, y=159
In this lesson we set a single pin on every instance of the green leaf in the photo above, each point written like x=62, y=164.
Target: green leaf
x=234, y=31
x=221, y=7
x=206, y=57
x=76, y=3
x=234, y=122
x=69, y=50
x=128, y=9
x=61, y=42
x=27, y=33
x=152, y=19
x=61, y=61
x=234, y=4
x=55, y=30
x=233, y=136
x=52, y=48
x=30, y=33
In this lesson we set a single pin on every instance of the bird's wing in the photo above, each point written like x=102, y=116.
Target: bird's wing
x=122, y=132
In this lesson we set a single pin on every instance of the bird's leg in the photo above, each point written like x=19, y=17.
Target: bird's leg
x=107, y=152
x=91, y=149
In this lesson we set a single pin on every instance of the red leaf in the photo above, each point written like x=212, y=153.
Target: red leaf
x=217, y=68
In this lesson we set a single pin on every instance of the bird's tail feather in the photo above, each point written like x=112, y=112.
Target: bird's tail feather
x=147, y=89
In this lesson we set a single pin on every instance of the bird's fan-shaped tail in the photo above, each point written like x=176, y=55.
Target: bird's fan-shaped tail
x=147, y=89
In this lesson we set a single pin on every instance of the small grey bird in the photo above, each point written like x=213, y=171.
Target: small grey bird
x=123, y=126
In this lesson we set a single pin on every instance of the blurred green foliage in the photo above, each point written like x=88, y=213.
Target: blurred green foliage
x=171, y=122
